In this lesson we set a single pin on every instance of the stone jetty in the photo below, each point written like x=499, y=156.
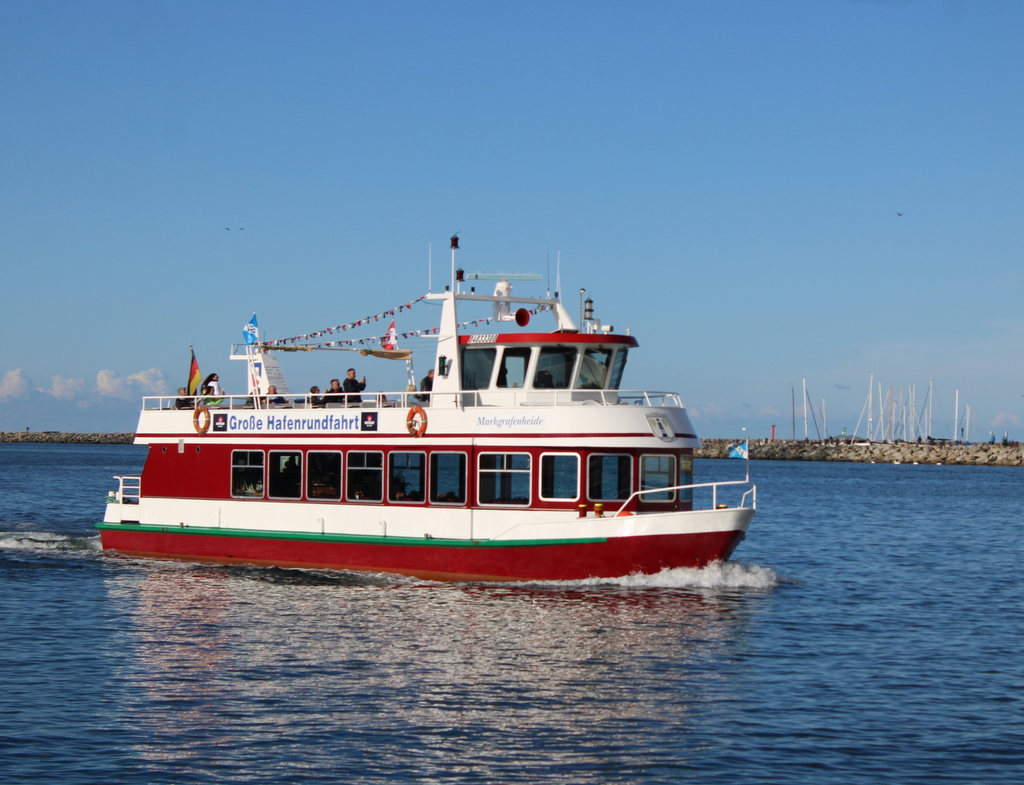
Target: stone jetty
x=52, y=437
x=980, y=454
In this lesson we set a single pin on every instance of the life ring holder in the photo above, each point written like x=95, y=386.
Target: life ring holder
x=202, y=412
x=416, y=421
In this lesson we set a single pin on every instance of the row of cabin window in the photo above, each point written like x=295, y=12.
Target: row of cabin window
x=599, y=368
x=502, y=478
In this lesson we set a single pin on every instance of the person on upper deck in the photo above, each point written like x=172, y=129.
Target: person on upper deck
x=316, y=400
x=183, y=400
x=334, y=393
x=211, y=397
x=426, y=385
x=351, y=385
x=273, y=397
x=213, y=382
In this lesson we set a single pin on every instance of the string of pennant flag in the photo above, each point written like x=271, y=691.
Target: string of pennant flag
x=343, y=327
x=303, y=339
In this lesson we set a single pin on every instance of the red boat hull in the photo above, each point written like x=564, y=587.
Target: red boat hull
x=431, y=559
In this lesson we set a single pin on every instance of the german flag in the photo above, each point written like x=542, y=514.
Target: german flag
x=195, y=378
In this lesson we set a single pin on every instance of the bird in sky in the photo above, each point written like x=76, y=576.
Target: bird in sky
x=898, y=213
x=227, y=229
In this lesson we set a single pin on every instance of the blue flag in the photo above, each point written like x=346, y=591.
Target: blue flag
x=738, y=450
x=250, y=331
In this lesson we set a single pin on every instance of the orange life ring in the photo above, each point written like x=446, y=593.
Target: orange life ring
x=416, y=421
x=205, y=426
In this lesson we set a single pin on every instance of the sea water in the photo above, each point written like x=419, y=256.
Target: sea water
x=868, y=630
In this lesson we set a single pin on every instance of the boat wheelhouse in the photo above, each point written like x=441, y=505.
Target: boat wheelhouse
x=527, y=460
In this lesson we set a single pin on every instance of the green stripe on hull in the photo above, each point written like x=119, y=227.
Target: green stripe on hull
x=428, y=542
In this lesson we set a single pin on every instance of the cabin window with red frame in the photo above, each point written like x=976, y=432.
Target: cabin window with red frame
x=406, y=476
x=448, y=478
x=285, y=475
x=504, y=478
x=323, y=475
x=609, y=477
x=657, y=471
x=247, y=474
x=365, y=477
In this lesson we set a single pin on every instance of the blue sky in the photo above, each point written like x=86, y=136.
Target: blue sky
x=722, y=177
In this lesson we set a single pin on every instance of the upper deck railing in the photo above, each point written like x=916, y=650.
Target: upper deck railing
x=504, y=398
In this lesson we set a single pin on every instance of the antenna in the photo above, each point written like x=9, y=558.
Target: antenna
x=558, y=275
x=548, y=249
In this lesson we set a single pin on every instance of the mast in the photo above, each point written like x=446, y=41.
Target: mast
x=956, y=418
x=805, y=410
x=871, y=405
x=931, y=385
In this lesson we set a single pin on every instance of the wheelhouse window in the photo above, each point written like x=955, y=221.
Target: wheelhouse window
x=512, y=371
x=477, y=365
x=618, y=367
x=657, y=471
x=448, y=477
x=559, y=476
x=406, y=476
x=365, y=477
x=609, y=477
x=323, y=475
x=504, y=478
x=554, y=367
x=247, y=474
x=593, y=369
x=285, y=475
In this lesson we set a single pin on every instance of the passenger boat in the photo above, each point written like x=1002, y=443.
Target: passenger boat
x=527, y=460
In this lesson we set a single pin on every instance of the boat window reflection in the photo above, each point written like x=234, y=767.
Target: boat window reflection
x=247, y=473
x=285, y=475
x=323, y=475
x=406, y=476
x=477, y=365
x=559, y=476
x=593, y=369
x=365, y=477
x=504, y=478
x=657, y=471
x=609, y=477
x=555, y=365
x=618, y=368
x=448, y=477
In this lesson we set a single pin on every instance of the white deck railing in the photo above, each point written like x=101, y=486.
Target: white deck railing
x=129, y=489
x=750, y=495
x=509, y=398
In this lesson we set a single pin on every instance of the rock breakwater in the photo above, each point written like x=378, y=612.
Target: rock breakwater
x=982, y=454
x=68, y=438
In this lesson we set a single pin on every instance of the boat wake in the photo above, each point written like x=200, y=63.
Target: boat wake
x=719, y=575
x=47, y=541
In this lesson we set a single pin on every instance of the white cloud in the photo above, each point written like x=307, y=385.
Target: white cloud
x=708, y=411
x=65, y=388
x=14, y=384
x=149, y=382
x=1003, y=419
